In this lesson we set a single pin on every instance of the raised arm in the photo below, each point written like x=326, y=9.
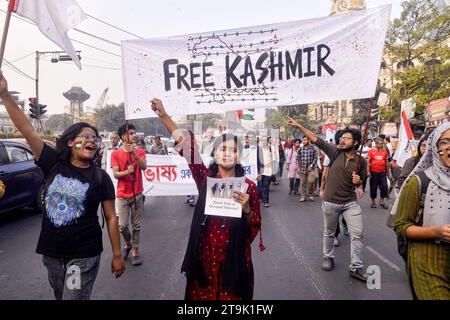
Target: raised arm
x=19, y=119
x=309, y=134
x=158, y=108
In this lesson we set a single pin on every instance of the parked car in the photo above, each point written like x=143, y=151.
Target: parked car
x=21, y=176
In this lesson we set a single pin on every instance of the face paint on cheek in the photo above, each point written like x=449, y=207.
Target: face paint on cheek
x=78, y=146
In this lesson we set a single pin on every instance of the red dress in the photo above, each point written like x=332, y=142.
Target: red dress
x=214, y=242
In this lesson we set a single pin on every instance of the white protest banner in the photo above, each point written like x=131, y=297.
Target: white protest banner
x=315, y=60
x=164, y=176
x=219, y=197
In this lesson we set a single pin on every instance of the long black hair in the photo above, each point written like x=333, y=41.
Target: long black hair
x=63, y=151
x=214, y=167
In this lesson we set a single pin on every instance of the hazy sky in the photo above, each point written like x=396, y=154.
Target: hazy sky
x=147, y=19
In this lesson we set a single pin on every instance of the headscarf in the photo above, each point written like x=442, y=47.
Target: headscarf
x=437, y=201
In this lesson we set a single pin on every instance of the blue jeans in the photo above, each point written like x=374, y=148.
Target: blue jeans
x=353, y=216
x=72, y=279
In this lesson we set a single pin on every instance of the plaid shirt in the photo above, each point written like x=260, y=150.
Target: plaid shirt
x=307, y=157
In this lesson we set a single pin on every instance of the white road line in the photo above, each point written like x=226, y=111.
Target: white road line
x=3, y=277
x=317, y=283
x=384, y=259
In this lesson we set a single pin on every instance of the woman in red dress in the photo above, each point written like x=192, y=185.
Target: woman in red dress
x=217, y=264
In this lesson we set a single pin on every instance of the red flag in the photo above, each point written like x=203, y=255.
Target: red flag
x=239, y=114
x=13, y=4
x=408, y=129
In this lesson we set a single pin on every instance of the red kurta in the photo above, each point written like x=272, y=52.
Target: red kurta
x=214, y=243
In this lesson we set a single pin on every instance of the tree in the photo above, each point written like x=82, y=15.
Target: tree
x=277, y=119
x=418, y=47
x=110, y=118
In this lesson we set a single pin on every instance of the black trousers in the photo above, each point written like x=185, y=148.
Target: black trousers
x=378, y=180
x=294, y=185
x=266, y=180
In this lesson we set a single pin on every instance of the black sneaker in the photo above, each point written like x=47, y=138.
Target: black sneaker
x=359, y=274
x=328, y=264
x=267, y=205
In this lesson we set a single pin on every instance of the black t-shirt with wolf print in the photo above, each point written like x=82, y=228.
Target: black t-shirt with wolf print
x=70, y=226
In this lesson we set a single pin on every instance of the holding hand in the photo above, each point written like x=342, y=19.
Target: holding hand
x=356, y=179
x=244, y=200
x=130, y=169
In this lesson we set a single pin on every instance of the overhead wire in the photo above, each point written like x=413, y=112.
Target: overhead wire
x=17, y=70
x=115, y=27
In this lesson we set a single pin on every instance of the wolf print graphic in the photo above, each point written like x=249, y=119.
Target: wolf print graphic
x=64, y=201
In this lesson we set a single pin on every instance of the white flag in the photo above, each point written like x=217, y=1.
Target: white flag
x=54, y=18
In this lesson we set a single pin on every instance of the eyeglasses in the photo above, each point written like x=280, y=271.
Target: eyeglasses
x=346, y=138
x=443, y=143
x=88, y=138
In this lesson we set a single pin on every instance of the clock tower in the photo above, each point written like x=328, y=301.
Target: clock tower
x=346, y=6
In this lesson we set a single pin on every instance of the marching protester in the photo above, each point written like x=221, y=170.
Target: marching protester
x=266, y=161
x=140, y=143
x=273, y=148
x=423, y=219
x=71, y=237
x=218, y=263
x=292, y=167
x=347, y=171
x=158, y=148
x=127, y=163
x=323, y=179
x=377, y=171
x=307, y=164
x=412, y=162
x=282, y=160
x=114, y=138
x=366, y=148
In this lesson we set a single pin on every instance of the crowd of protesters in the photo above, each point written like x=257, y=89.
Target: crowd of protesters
x=218, y=260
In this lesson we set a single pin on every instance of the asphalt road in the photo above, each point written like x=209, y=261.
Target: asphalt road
x=290, y=268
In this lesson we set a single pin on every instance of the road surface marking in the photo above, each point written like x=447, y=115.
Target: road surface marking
x=384, y=259
x=315, y=278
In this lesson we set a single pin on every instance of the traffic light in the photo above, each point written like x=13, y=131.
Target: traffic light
x=41, y=109
x=34, y=108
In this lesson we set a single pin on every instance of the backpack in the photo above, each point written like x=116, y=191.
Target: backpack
x=98, y=175
x=402, y=244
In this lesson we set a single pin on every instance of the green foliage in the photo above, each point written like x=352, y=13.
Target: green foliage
x=277, y=119
x=419, y=40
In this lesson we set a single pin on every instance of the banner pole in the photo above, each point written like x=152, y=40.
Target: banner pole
x=131, y=162
x=5, y=35
x=364, y=138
